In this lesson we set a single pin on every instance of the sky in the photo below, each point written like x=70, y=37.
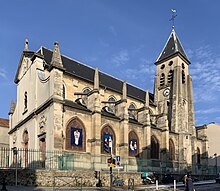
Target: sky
x=121, y=37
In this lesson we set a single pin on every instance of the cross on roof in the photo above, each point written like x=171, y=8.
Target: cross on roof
x=173, y=17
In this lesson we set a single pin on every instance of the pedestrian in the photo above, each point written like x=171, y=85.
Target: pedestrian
x=185, y=179
x=189, y=184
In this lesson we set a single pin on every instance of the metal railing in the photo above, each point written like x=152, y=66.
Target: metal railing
x=60, y=160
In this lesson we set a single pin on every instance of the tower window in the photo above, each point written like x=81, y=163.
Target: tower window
x=25, y=100
x=162, y=67
x=183, y=66
x=64, y=92
x=162, y=79
x=170, y=76
x=170, y=63
x=183, y=77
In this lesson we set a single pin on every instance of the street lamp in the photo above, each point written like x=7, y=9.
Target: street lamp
x=216, y=163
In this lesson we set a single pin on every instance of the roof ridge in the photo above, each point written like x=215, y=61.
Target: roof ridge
x=99, y=70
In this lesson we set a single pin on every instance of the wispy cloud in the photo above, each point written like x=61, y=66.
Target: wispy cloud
x=208, y=111
x=205, y=71
x=121, y=58
x=3, y=73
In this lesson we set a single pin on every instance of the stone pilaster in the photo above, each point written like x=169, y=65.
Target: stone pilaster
x=144, y=118
x=56, y=72
x=122, y=112
x=191, y=120
x=94, y=104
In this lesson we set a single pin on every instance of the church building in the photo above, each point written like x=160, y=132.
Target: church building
x=64, y=105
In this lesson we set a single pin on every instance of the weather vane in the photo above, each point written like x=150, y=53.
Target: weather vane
x=173, y=16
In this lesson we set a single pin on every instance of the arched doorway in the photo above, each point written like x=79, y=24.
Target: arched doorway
x=154, y=148
x=171, y=150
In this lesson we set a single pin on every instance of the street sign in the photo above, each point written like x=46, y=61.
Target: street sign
x=119, y=167
x=118, y=158
x=111, y=165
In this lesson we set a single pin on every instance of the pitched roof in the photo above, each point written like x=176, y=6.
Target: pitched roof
x=25, y=53
x=87, y=73
x=172, y=47
x=4, y=122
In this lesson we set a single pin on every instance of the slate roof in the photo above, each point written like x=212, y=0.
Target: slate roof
x=4, y=122
x=87, y=73
x=172, y=47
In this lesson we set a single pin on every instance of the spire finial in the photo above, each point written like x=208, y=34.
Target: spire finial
x=26, y=45
x=96, y=79
x=173, y=17
x=56, y=57
x=124, y=91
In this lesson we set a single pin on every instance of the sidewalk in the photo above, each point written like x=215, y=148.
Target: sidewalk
x=139, y=187
x=178, y=185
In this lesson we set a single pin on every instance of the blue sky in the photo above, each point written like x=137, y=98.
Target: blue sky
x=121, y=37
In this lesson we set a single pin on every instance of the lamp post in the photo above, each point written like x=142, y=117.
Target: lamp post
x=15, y=152
x=216, y=163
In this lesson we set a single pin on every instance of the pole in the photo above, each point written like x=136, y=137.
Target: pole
x=16, y=169
x=157, y=185
x=174, y=185
x=110, y=178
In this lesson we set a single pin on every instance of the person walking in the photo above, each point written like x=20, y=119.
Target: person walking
x=189, y=184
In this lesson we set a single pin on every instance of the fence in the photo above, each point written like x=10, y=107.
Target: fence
x=58, y=160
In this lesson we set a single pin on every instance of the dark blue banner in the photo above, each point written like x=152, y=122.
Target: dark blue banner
x=133, y=146
x=108, y=142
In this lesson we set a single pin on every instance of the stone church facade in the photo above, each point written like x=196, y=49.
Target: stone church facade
x=64, y=105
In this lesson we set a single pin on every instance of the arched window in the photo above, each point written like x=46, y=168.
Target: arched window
x=133, y=144
x=198, y=156
x=75, y=135
x=83, y=100
x=183, y=77
x=171, y=63
x=154, y=148
x=171, y=150
x=64, y=92
x=162, y=79
x=25, y=100
x=170, y=76
x=86, y=90
x=111, y=107
x=112, y=99
x=108, y=140
x=162, y=67
x=131, y=108
x=183, y=66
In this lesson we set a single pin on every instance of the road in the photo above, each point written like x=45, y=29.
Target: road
x=209, y=187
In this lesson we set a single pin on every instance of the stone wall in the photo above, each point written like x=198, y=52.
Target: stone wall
x=29, y=177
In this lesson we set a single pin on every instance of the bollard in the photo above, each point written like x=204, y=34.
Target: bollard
x=157, y=188
x=174, y=185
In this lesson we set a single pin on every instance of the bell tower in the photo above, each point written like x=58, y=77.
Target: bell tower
x=173, y=94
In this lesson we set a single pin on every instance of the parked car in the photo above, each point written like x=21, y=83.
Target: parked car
x=217, y=179
x=167, y=178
